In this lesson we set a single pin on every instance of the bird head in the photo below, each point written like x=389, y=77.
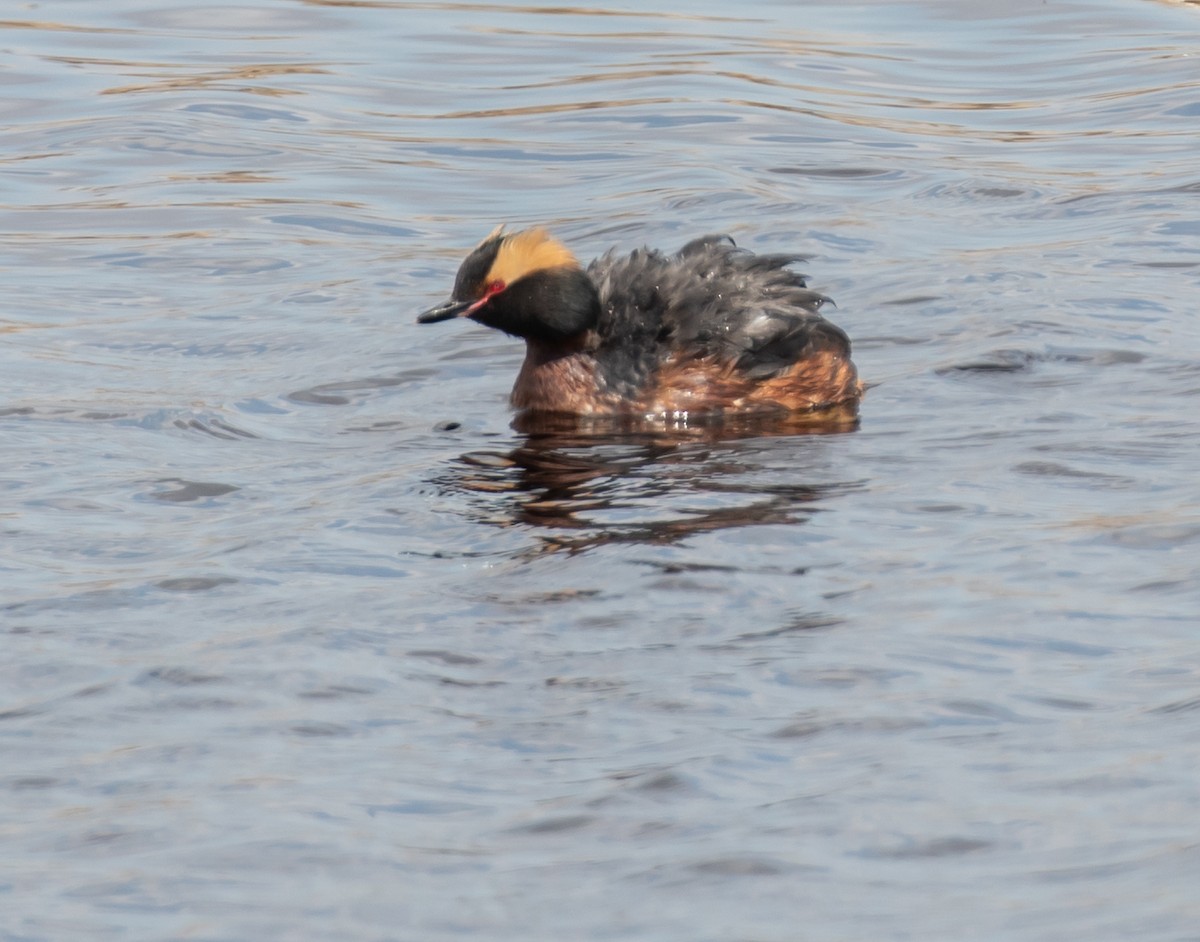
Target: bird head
x=527, y=284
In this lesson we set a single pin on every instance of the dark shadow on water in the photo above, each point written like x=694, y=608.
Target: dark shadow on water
x=596, y=482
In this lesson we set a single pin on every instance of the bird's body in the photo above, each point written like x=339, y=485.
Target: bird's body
x=711, y=329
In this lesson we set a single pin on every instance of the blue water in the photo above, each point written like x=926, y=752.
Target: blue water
x=302, y=639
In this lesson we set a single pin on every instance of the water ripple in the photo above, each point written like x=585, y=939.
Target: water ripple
x=295, y=612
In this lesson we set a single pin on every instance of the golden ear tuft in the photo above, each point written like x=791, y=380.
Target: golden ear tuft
x=523, y=253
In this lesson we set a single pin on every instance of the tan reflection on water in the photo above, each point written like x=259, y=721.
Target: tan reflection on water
x=218, y=79
x=49, y=26
x=493, y=8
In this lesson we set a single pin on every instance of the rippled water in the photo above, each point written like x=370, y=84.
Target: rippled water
x=303, y=639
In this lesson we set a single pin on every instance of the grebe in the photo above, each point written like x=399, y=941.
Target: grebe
x=711, y=329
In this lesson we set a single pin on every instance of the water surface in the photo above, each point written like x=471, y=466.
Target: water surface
x=304, y=639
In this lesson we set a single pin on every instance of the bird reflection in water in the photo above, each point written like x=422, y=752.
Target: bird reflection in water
x=601, y=481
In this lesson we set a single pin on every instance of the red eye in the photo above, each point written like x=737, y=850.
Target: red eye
x=493, y=287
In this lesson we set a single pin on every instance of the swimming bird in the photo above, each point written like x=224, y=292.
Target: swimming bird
x=710, y=329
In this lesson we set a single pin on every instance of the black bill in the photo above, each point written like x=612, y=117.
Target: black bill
x=444, y=311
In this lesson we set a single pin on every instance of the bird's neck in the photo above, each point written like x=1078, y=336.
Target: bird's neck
x=558, y=376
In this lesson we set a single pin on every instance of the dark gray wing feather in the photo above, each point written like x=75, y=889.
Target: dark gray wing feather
x=712, y=299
